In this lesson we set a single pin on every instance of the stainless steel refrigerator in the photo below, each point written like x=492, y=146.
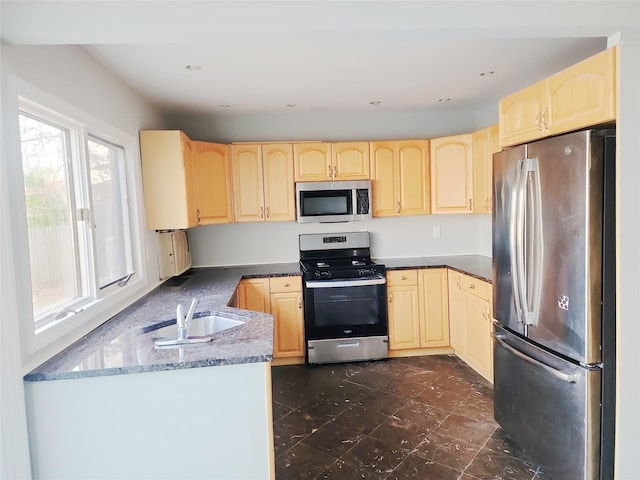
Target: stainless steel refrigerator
x=554, y=301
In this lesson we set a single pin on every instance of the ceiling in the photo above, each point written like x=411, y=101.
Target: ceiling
x=266, y=56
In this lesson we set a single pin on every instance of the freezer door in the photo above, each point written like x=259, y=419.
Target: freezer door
x=505, y=199
x=548, y=406
x=563, y=222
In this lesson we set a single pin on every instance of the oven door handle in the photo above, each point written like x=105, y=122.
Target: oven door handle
x=346, y=283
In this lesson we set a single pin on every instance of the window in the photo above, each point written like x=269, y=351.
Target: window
x=76, y=198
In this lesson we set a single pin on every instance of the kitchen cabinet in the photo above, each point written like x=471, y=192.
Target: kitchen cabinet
x=434, y=307
x=286, y=307
x=312, y=162
x=167, y=176
x=282, y=297
x=400, y=178
x=253, y=294
x=579, y=96
x=451, y=175
x=318, y=161
x=263, y=186
x=485, y=144
x=403, y=309
x=471, y=322
x=212, y=183
x=418, y=308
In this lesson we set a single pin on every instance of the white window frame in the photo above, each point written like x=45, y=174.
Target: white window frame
x=39, y=345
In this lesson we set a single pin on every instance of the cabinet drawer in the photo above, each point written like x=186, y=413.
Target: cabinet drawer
x=476, y=287
x=402, y=277
x=285, y=284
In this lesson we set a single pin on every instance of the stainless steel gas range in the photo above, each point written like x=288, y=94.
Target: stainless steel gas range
x=345, y=298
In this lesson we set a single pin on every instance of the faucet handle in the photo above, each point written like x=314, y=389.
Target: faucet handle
x=191, y=311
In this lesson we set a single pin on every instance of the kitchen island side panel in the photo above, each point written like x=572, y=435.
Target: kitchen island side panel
x=210, y=422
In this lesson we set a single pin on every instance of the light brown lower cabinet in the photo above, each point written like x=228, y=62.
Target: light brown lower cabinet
x=418, y=308
x=471, y=325
x=282, y=297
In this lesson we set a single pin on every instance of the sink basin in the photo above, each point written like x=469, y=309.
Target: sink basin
x=200, y=327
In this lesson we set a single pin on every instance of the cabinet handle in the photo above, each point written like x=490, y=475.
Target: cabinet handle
x=398, y=207
x=545, y=118
x=330, y=172
x=268, y=214
x=472, y=286
x=299, y=301
x=470, y=205
x=286, y=284
x=333, y=172
x=403, y=277
x=198, y=215
x=458, y=283
x=390, y=297
x=261, y=212
x=538, y=124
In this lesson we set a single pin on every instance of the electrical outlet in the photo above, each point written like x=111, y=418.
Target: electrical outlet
x=436, y=232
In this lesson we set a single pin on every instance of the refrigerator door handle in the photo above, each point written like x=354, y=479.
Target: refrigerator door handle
x=533, y=255
x=516, y=237
x=559, y=374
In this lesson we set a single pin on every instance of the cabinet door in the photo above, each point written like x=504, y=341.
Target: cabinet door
x=413, y=171
x=583, y=94
x=478, y=330
x=482, y=171
x=212, y=182
x=434, y=307
x=288, y=333
x=312, y=162
x=279, y=193
x=403, y=308
x=166, y=174
x=253, y=294
x=404, y=317
x=187, y=158
x=520, y=115
x=248, y=194
x=350, y=161
x=384, y=179
x=451, y=175
x=456, y=313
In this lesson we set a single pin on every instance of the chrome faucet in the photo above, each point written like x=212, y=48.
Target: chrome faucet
x=183, y=323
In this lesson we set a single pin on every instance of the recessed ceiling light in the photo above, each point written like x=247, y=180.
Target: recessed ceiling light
x=224, y=105
x=292, y=105
x=444, y=100
x=488, y=73
x=375, y=103
x=194, y=68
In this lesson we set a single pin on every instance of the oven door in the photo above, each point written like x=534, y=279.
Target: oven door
x=345, y=308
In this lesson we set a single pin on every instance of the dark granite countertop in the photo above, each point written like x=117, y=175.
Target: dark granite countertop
x=477, y=266
x=125, y=343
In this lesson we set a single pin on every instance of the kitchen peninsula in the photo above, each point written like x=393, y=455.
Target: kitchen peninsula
x=112, y=405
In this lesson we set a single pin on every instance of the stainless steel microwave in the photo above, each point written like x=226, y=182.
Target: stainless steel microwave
x=340, y=201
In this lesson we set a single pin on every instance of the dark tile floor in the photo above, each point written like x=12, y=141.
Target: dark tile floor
x=409, y=418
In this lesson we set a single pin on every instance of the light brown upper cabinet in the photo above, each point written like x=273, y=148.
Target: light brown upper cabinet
x=400, y=178
x=263, y=187
x=212, y=183
x=579, y=96
x=167, y=176
x=485, y=144
x=451, y=174
x=318, y=161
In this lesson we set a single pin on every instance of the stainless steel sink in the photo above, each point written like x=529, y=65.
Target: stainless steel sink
x=200, y=331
